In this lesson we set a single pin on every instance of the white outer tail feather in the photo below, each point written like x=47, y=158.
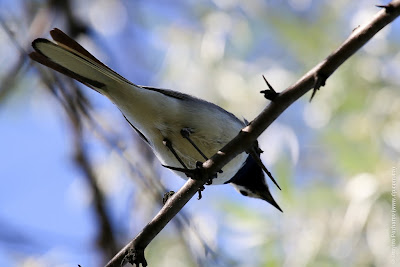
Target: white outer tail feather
x=78, y=63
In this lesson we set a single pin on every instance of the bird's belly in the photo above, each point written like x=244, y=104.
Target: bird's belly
x=189, y=155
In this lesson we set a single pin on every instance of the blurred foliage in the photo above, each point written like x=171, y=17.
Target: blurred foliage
x=336, y=158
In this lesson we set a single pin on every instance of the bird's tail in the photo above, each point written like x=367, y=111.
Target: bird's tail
x=68, y=57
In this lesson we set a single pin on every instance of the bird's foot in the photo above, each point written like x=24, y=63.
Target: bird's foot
x=167, y=196
x=135, y=257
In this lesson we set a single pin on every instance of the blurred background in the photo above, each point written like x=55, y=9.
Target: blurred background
x=76, y=183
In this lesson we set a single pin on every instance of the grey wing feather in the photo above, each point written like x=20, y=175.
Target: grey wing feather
x=186, y=97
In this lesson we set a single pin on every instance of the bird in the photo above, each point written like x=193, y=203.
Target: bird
x=182, y=130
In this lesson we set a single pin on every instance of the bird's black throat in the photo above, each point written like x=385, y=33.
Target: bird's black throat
x=250, y=175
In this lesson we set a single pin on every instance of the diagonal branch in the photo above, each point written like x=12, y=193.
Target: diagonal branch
x=314, y=79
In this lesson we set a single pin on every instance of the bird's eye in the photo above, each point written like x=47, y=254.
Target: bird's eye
x=244, y=193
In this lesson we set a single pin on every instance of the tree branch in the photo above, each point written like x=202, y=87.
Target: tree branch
x=314, y=79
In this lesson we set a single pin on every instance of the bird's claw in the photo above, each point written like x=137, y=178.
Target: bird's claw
x=167, y=196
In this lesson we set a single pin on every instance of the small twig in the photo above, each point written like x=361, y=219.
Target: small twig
x=320, y=80
x=257, y=159
x=389, y=8
x=270, y=93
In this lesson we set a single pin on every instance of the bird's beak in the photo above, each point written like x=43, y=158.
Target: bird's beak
x=266, y=195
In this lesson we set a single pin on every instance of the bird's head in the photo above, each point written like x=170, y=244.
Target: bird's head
x=250, y=181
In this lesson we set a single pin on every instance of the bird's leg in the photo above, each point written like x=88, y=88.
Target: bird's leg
x=199, y=165
x=188, y=172
x=168, y=144
x=185, y=132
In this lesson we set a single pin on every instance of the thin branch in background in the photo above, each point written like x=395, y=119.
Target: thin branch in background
x=106, y=238
x=75, y=26
x=134, y=251
x=12, y=76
